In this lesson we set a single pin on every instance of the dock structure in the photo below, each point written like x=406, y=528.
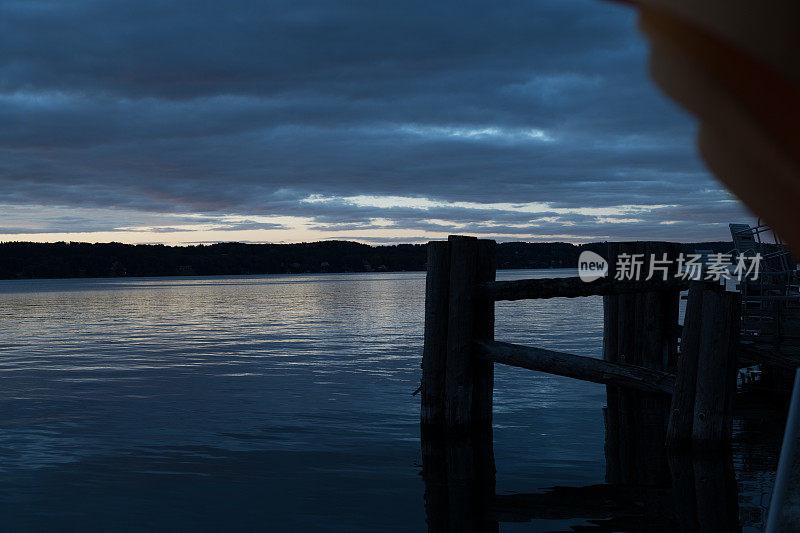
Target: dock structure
x=679, y=382
x=770, y=336
x=670, y=392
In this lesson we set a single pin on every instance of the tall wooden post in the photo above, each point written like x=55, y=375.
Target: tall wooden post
x=626, y=322
x=656, y=347
x=640, y=329
x=456, y=414
x=705, y=385
x=456, y=387
x=679, y=430
x=459, y=370
x=434, y=355
x=610, y=353
x=468, y=383
x=716, y=369
x=483, y=329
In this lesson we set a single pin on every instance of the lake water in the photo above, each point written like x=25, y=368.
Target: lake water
x=275, y=403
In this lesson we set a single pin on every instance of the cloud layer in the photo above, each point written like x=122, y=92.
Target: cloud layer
x=524, y=119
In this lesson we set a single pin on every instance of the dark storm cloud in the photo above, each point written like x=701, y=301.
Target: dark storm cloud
x=248, y=108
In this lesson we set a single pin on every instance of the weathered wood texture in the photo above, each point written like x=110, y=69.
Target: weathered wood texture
x=571, y=287
x=483, y=329
x=734, y=330
x=679, y=430
x=434, y=355
x=626, y=315
x=461, y=321
x=716, y=368
x=611, y=312
x=576, y=366
x=626, y=321
x=457, y=388
x=611, y=415
x=656, y=312
x=656, y=347
x=640, y=330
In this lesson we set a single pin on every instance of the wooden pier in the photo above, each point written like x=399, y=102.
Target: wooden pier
x=670, y=392
x=678, y=382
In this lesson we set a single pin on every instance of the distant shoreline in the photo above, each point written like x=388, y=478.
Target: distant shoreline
x=198, y=276
x=234, y=276
x=27, y=260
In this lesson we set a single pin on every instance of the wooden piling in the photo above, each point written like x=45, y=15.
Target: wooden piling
x=679, y=430
x=483, y=329
x=434, y=355
x=640, y=330
x=705, y=385
x=657, y=312
x=640, y=365
x=611, y=312
x=655, y=348
x=456, y=387
x=734, y=301
x=716, y=380
x=625, y=324
x=459, y=370
x=611, y=413
x=626, y=314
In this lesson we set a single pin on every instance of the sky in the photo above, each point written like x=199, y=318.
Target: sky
x=286, y=121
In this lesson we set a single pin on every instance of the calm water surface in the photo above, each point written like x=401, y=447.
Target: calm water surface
x=274, y=403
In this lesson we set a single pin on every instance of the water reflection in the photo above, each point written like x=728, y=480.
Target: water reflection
x=648, y=488
x=459, y=479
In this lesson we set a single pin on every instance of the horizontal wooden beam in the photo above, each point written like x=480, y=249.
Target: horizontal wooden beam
x=576, y=366
x=572, y=287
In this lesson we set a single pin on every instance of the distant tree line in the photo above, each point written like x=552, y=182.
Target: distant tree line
x=77, y=259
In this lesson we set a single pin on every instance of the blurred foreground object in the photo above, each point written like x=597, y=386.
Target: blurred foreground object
x=784, y=505
x=734, y=64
